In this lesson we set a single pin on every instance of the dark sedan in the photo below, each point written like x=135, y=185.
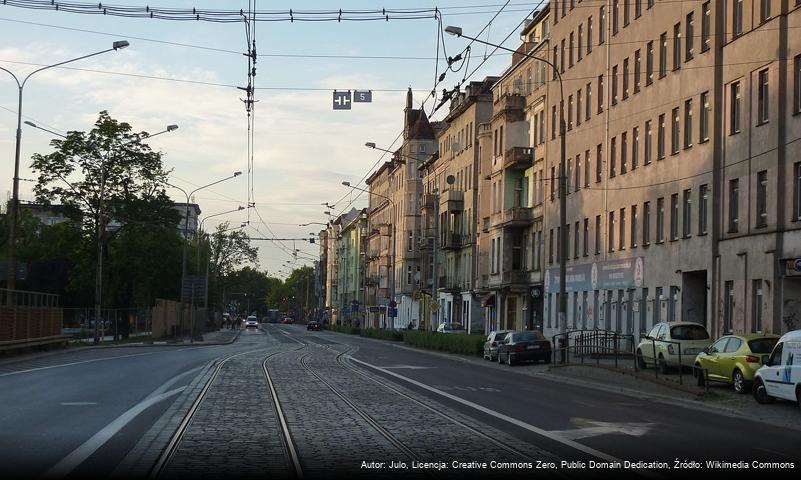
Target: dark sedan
x=524, y=346
x=313, y=326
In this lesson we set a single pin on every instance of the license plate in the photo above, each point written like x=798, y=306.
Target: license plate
x=532, y=347
x=691, y=351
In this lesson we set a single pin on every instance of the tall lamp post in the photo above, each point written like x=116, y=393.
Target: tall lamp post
x=186, y=240
x=101, y=227
x=12, y=228
x=457, y=31
x=392, y=260
x=206, y=275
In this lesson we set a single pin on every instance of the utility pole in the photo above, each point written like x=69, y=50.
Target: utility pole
x=435, y=267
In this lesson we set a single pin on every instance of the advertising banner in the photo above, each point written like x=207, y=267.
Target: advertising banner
x=609, y=275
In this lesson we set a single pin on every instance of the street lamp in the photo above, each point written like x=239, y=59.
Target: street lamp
x=457, y=31
x=101, y=228
x=206, y=275
x=12, y=228
x=392, y=261
x=311, y=223
x=186, y=240
x=373, y=146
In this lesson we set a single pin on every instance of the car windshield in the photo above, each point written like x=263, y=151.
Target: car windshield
x=762, y=345
x=689, y=332
x=501, y=335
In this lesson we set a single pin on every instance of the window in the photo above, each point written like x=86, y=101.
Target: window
x=598, y=162
x=580, y=41
x=601, y=24
x=756, y=324
x=674, y=131
x=568, y=174
x=553, y=122
x=734, y=114
x=586, y=168
x=637, y=8
x=674, y=216
x=623, y=152
x=409, y=240
x=660, y=138
x=762, y=199
x=576, y=242
x=677, y=46
x=614, y=85
x=648, y=143
x=737, y=18
x=550, y=247
x=613, y=157
x=797, y=191
x=570, y=112
x=626, y=16
x=688, y=123
x=706, y=24
x=555, y=61
x=660, y=220
x=578, y=107
x=634, y=226
x=650, y=4
x=688, y=37
x=597, y=234
x=636, y=71
x=686, y=218
x=621, y=245
x=734, y=199
x=703, y=202
x=728, y=306
x=797, y=84
x=764, y=10
x=577, y=180
x=611, y=232
x=589, y=35
x=600, y=93
x=646, y=223
x=635, y=147
x=615, y=9
x=762, y=97
x=586, y=250
x=663, y=55
x=588, y=94
x=625, y=78
x=572, y=47
x=553, y=182
x=706, y=110
x=649, y=63
x=562, y=57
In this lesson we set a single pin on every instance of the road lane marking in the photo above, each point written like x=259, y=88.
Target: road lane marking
x=77, y=456
x=593, y=428
x=77, y=404
x=514, y=421
x=408, y=367
x=89, y=361
x=172, y=381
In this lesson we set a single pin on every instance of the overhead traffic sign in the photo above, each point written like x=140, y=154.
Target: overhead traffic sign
x=342, y=100
x=363, y=96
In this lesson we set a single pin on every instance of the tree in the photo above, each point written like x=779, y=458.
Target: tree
x=227, y=251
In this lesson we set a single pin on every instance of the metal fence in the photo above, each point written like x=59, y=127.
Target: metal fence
x=113, y=323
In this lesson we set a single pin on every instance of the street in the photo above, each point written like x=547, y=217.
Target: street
x=346, y=404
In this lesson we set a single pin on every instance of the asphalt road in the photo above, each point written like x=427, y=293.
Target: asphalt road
x=80, y=414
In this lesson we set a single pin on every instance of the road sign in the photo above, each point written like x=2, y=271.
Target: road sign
x=342, y=100
x=393, y=312
x=193, y=285
x=362, y=96
x=434, y=306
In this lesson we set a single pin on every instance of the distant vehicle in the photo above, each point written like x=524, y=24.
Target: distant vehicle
x=734, y=359
x=780, y=376
x=524, y=346
x=314, y=325
x=667, y=338
x=272, y=316
x=252, y=322
x=491, y=345
x=451, y=327
x=287, y=320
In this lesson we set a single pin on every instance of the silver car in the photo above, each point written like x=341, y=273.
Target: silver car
x=451, y=327
x=491, y=345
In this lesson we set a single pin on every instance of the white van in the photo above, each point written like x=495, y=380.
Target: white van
x=780, y=376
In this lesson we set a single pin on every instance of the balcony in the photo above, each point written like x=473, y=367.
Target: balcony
x=514, y=277
x=449, y=284
x=428, y=200
x=452, y=241
x=519, y=158
x=510, y=102
x=512, y=217
x=452, y=200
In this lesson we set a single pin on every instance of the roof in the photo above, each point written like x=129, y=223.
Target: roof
x=419, y=128
x=794, y=335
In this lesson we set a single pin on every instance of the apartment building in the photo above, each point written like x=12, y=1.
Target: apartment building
x=511, y=178
x=321, y=276
x=449, y=209
x=380, y=230
x=351, y=248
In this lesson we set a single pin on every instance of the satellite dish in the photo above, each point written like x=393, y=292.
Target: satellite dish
x=450, y=179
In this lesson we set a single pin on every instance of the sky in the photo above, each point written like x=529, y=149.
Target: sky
x=303, y=149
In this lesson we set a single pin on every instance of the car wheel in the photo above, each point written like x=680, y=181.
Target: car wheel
x=640, y=361
x=761, y=394
x=798, y=395
x=739, y=382
x=663, y=366
x=699, y=375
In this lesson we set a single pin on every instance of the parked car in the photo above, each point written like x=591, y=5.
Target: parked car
x=287, y=320
x=524, y=346
x=314, y=325
x=780, y=376
x=734, y=359
x=252, y=322
x=491, y=345
x=661, y=346
x=451, y=327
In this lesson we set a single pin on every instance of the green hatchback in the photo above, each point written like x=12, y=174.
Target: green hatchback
x=734, y=359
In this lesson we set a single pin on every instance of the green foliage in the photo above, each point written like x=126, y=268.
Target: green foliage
x=446, y=342
x=381, y=334
x=295, y=293
x=230, y=249
x=345, y=329
x=256, y=284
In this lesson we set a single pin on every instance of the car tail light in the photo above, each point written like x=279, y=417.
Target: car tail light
x=751, y=359
x=670, y=349
x=518, y=348
x=494, y=344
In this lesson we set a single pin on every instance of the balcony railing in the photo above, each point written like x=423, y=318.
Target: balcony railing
x=519, y=158
x=513, y=217
x=510, y=103
x=452, y=241
x=428, y=200
x=515, y=277
x=452, y=200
